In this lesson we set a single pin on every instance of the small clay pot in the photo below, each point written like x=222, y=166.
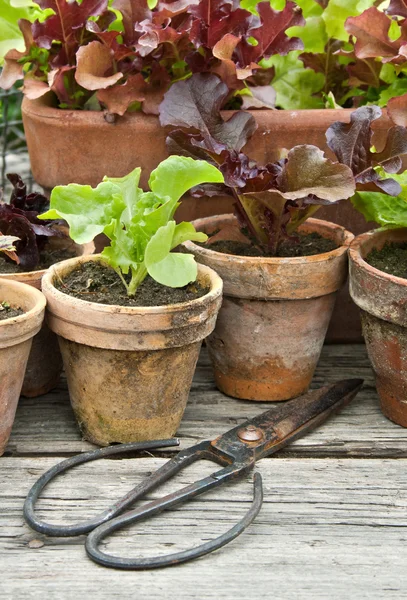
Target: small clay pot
x=274, y=315
x=15, y=342
x=44, y=365
x=129, y=369
x=382, y=299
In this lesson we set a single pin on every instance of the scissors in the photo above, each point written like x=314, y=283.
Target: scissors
x=236, y=451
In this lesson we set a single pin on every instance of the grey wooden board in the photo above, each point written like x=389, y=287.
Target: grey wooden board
x=46, y=425
x=329, y=528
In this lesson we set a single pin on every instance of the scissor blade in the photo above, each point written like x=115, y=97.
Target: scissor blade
x=272, y=430
x=301, y=415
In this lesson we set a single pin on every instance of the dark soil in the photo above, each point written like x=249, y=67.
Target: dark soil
x=8, y=312
x=392, y=259
x=47, y=258
x=302, y=245
x=97, y=283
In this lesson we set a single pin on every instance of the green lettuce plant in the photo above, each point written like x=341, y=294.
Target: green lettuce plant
x=140, y=225
x=390, y=212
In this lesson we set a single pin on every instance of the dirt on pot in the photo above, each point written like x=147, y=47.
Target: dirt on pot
x=392, y=258
x=48, y=257
x=9, y=312
x=98, y=283
x=299, y=245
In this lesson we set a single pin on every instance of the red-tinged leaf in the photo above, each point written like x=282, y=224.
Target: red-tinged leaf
x=196, y=103
x=13, y=69
x=371, y=30
x=352, y=145
x=351, y=142
x=34, y=88
x=230, y=233
x=118, y=98
x=270, y=33
x=263, y=96
x=227, y=69
x=132, y=11
x=364, y=72
x=109, y=39
x=63, y=25
x=397, y=8
x=307, y=172
x=7, y=246
x=397, y=110
x=94, y=70
x=395, y=147
x=172, y=9
x=212, y=19
x=154, y=35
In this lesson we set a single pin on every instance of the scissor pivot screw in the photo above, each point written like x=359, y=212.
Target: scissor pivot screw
x=250, y=434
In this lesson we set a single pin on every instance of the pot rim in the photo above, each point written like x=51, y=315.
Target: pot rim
x=277, y=260
x=355, y=254
x=38, y=299
x=47, y=286
x=43, y=107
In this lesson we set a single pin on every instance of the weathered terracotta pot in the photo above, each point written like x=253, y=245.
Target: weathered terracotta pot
x=44, y=365
x=129, y=370
x=274, y=314
x=15, y=342
x=382, y=299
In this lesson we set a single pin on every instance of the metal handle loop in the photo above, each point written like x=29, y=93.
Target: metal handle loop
x=97, y=535
x=86, y=526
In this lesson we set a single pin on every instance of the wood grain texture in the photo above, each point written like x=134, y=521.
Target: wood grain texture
x=328, y=528
x=46, y=425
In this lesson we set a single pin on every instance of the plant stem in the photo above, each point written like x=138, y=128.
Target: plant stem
x=136, y=278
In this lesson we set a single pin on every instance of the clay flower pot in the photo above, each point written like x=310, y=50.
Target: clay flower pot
x=44, y=365
x=15, y=342
x=274, y=315
x=382, y=299
x=129, y=369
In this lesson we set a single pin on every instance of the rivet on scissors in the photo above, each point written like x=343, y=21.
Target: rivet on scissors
x=250, y=434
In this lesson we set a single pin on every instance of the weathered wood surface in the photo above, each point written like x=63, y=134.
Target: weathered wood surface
x=329, y=528
x=46, y=425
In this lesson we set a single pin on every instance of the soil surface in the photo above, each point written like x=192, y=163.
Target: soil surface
x=302, y=245
x=392, y=259
x=94, y=282
x=8, y=312
x=47, y=258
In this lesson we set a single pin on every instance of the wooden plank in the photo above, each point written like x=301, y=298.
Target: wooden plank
x=329, y=528
x=46, y=425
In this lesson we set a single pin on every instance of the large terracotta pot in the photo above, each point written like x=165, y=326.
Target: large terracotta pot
x=129, y=369
x=15, y=342
x=44, y=365
x=96, y=148
x=274, y=314
x=382, y=299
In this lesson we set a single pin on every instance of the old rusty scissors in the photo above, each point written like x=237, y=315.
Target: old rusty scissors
x=237, y=451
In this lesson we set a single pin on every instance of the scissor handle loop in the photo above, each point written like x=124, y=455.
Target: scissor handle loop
x=102, y=531
x=89, y=524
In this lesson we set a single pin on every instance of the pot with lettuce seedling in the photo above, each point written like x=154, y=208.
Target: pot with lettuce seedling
x=102, y=87
x=281, y=268
x=39, y=245
x=21, y=315
x=131, y=321
x=378, y=286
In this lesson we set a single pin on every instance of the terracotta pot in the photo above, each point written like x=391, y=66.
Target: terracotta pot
x=15, y=342
x=274, y=315
x=138, y=140
x=44, y=365
x=129, y=369
x=382, y=299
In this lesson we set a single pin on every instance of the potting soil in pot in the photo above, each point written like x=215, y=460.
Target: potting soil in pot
x=9, y=312
x=392, y=259
x=98, y=283
x=48, y=257
x=298, y=245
